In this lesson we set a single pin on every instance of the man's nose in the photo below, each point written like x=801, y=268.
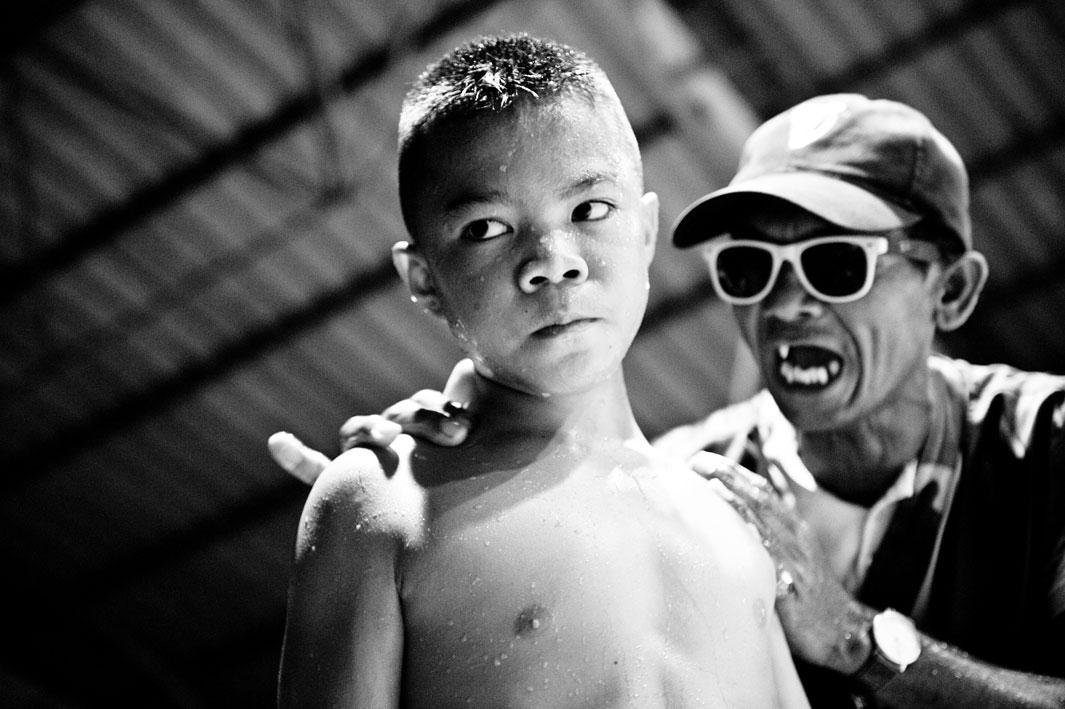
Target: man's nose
x=788, y=299
x=556, y=260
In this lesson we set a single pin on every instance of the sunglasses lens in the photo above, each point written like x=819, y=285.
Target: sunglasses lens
x=743, y=271
x=836, y=269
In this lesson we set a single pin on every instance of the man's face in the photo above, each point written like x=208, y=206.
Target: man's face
x=538, y=240
x=829, y=365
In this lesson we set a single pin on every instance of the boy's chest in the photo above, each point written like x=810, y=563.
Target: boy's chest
x=501, y=540
x=566, y=556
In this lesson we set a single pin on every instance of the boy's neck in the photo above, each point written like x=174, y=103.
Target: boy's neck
x=598, y=414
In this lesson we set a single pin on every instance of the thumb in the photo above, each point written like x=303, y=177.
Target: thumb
x=460, y=384
x=298, y=460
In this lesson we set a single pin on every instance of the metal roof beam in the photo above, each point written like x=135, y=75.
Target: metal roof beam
x=39, y=458
x=943, y=30
x=179, y=182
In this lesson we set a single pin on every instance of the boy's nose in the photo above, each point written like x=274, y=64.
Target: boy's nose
x=788, y=299
x=556, y=262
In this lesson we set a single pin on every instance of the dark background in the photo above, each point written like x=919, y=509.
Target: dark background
x=197, y=201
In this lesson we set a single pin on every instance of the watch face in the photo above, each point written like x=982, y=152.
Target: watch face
x=896, y=637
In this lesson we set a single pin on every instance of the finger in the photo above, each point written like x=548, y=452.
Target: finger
x=709, y=464
x=421, y=404
x=425, y=399
x=792, y=543
x=753, y=522
x=736, y=446
x=757, y=495
x=373, y=430
x=723, y=480
x=778, y=479
x=447, y=426
x=460, y=385
x=781, y=500
x=443, y=429
x=297, y=459
x=781, y=531
x=738, y=479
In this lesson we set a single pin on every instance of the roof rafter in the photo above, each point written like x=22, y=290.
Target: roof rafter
x=152, y=198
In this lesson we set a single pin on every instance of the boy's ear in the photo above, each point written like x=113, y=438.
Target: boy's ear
x=959, y=288
x=649, y=209
x=413, y=269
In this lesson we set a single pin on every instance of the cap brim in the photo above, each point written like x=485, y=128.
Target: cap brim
x=832, y=199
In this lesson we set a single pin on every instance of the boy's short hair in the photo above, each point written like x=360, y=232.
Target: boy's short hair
x=490, y=75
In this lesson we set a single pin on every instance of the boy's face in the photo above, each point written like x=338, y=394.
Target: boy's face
x=534, y=240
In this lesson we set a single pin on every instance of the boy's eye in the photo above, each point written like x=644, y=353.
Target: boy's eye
x=484, y=229
x=592, y=211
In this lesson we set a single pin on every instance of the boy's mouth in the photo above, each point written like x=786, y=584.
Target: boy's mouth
x=563, y=327
x=806, y=366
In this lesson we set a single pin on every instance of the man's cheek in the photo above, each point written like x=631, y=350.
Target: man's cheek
x=745, y=317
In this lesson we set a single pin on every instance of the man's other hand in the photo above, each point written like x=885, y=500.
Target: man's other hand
x=818, y=615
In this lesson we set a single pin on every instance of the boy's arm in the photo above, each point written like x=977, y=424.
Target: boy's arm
x=344, y=631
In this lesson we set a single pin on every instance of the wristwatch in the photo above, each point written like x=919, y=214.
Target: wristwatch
x=896, y=646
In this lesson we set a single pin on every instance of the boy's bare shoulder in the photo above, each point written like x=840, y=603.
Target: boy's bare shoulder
x=368, y=492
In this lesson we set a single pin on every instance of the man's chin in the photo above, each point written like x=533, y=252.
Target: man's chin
x=810, y=408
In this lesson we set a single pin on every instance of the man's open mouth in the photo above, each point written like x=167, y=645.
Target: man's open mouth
x=807, y=366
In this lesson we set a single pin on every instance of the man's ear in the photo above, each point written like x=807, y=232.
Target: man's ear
x=413, y=269
x=958, y=290
x=649, y=219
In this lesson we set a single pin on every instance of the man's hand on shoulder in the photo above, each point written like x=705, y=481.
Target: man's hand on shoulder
x=824, y=624
x=429, y=415
x=437, y=417
x=433, y=416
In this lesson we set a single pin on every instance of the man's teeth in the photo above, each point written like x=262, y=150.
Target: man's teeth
x=810, y=376
x=800, y=375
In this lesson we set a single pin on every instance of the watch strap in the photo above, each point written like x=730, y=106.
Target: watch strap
x=885, y=662
x=876, y=672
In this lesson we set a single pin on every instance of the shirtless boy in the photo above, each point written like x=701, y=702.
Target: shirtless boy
x=554, y=559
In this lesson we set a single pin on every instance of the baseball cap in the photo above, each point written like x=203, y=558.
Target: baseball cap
x=864, y=164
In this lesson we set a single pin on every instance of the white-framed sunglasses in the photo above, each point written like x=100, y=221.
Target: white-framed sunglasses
x=836, y=269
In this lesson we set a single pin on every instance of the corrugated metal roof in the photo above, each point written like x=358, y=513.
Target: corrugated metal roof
x=198, y=199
